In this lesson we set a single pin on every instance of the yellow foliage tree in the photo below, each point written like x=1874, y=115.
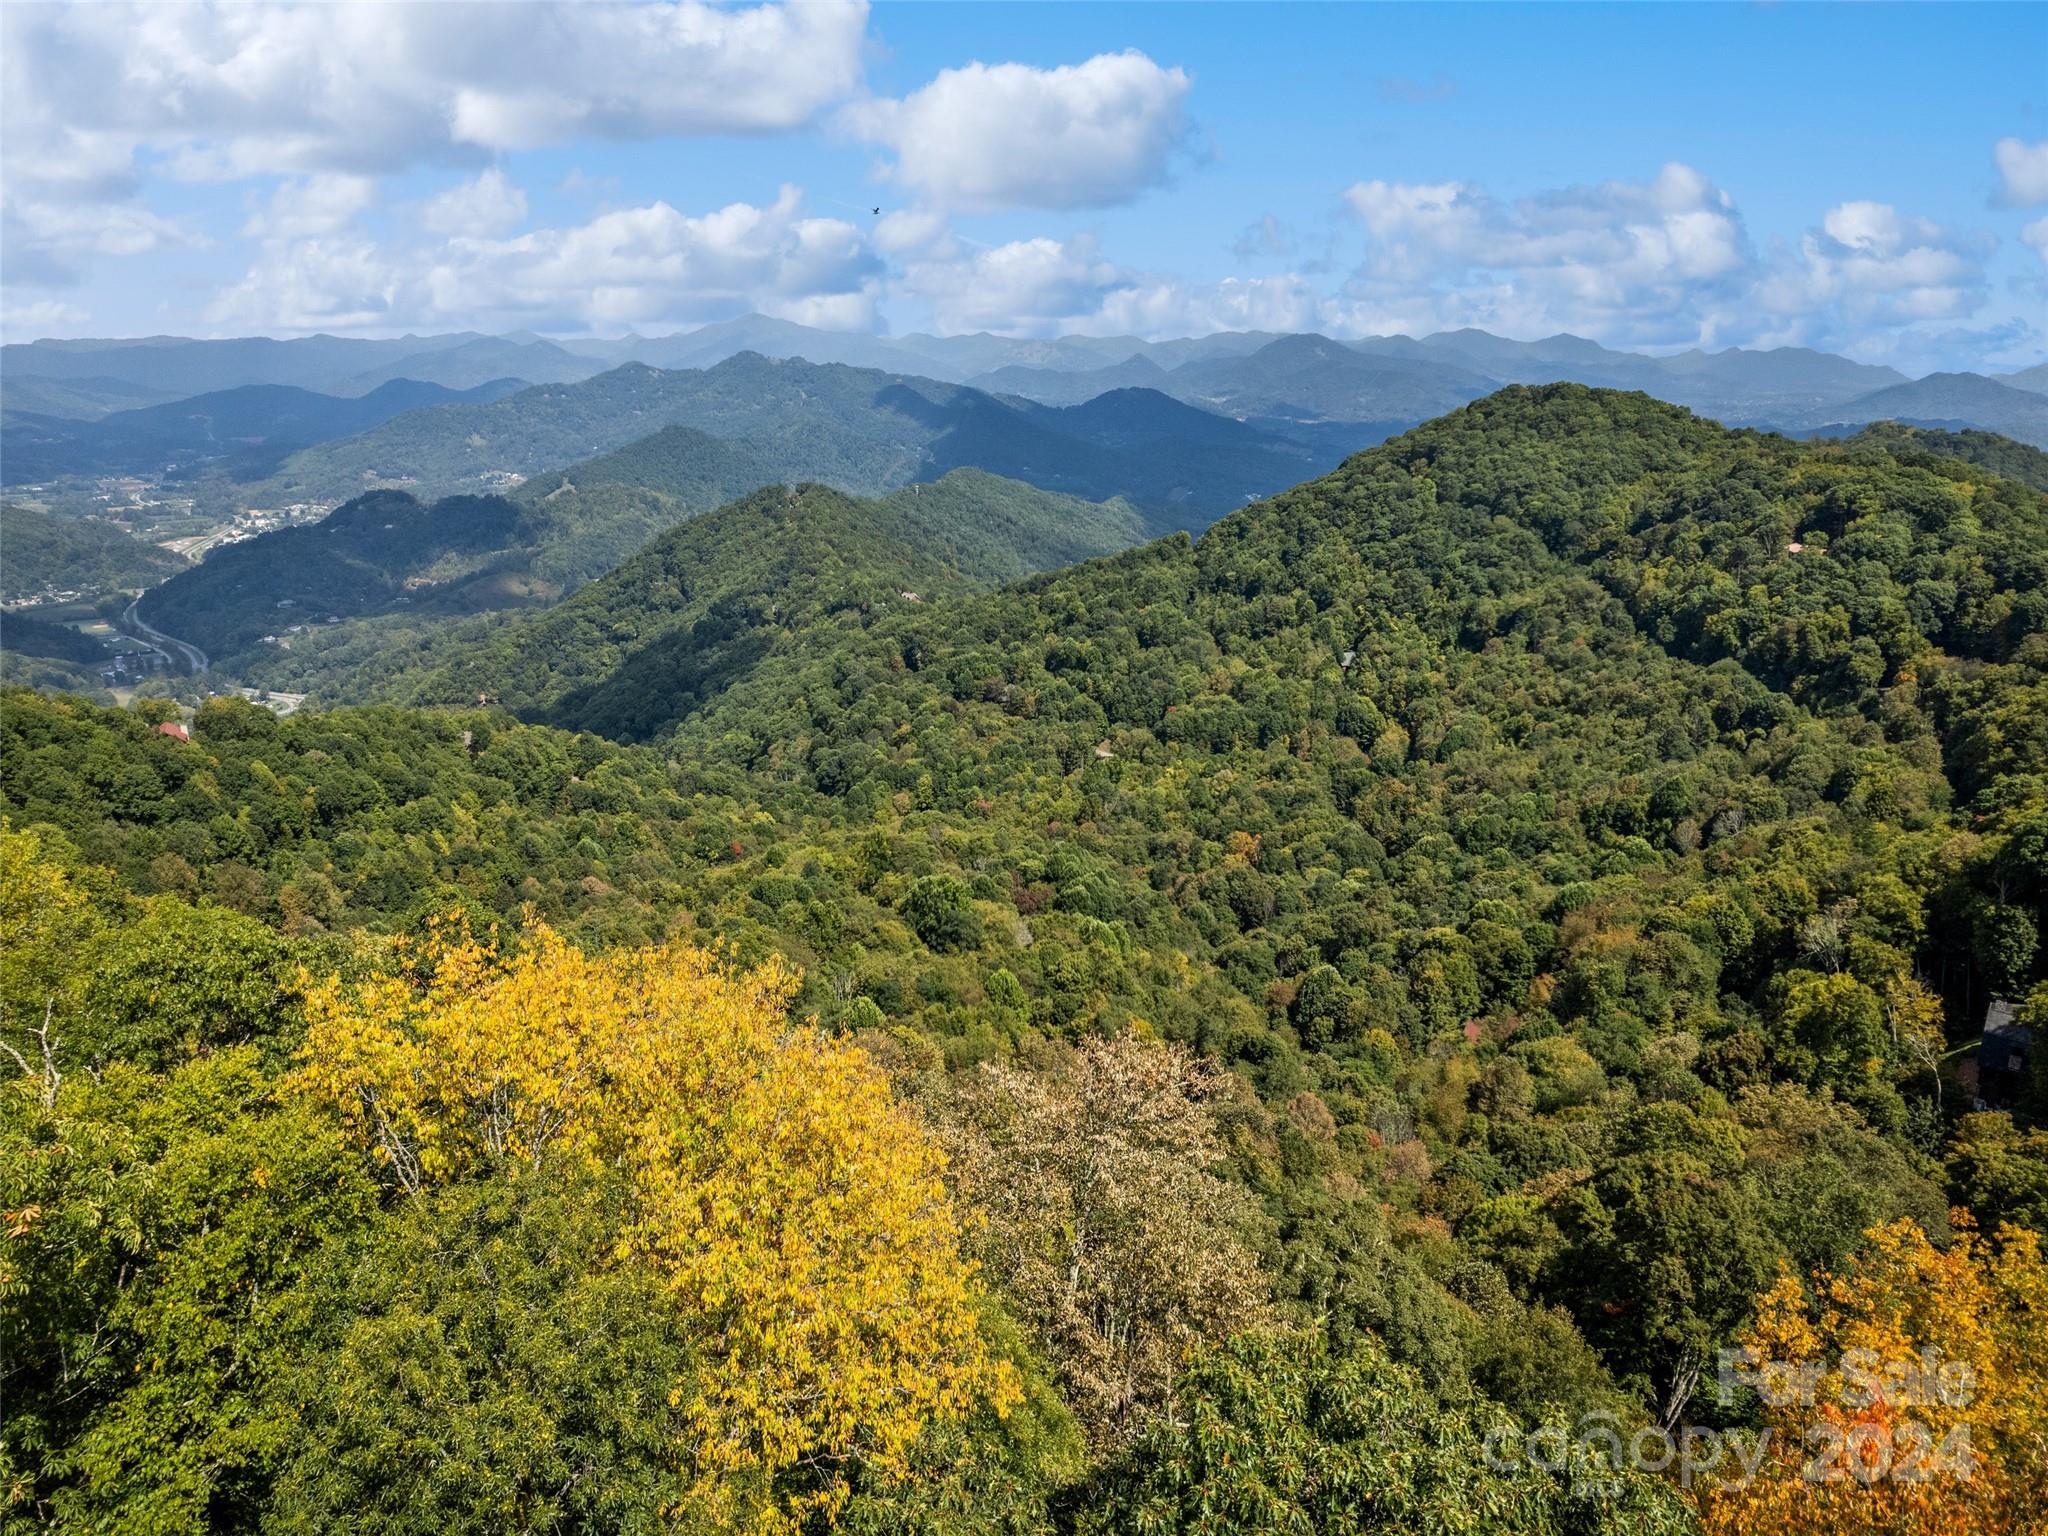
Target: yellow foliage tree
x=44, y=919
x=1905, y=1396
x=789, y=1203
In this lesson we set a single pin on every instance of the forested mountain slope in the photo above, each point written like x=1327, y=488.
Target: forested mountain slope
x=387, y=550
x=700, y=607
x=1717, y=545
x=374, y=552
x=728, y=584
x=40, y=552
x=1580, y=830
x=1986, y=450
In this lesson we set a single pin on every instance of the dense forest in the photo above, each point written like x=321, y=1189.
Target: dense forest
x=1218, y=1037
x=1987, y=450
x=408, y=570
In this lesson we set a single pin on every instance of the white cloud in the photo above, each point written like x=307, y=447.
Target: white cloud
x=41, y=317
x=240, y=90
x=1873, y=228
x=1665, y=262
x=218, y=91
x=1045, y=286
x=1640, y=262
x=655, y=264
x=1008, y=135
x=305, y=206
x=1660, y=263
x=1025, y=287
x=1645, y=262
x=2036, y=235
x=317, y=284
x=2023, y=170
x=1676, y=226
x=1868, y=267
x=490, y=205
x=1150, y=305
x=631, y=266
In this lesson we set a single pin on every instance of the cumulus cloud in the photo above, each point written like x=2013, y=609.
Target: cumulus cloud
x=1154, y=305
x=1676, y=224
x=1872, y=228
x=1870, y=267
x=305, y=206
x=313, y=285
x=1621, y=258
x=490, y=205
x=1664, y=262
x=1045, y=286
x=630, y=266
x=2023, y=172
x=1008, y=135
x=239, y=90
x=221, y=91
x=1023, y=287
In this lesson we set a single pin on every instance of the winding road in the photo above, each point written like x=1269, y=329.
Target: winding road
x=193, y=657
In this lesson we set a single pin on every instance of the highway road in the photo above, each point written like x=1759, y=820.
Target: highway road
x=193, y=657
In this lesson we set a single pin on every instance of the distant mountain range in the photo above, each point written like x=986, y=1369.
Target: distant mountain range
x=1786, y=387
x=1952, y=400
x=244, y=432
x=340, y=365
x=861, y=430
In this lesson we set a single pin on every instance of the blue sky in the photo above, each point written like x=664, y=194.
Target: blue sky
x=1868, y=179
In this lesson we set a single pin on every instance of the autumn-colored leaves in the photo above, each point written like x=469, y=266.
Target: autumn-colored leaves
x=795, y=1213
x=1905, y=1395
x=796, y=1217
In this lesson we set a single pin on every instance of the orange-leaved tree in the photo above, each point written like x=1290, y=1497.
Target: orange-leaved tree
x=1906, y=1395
x=790, y=1205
